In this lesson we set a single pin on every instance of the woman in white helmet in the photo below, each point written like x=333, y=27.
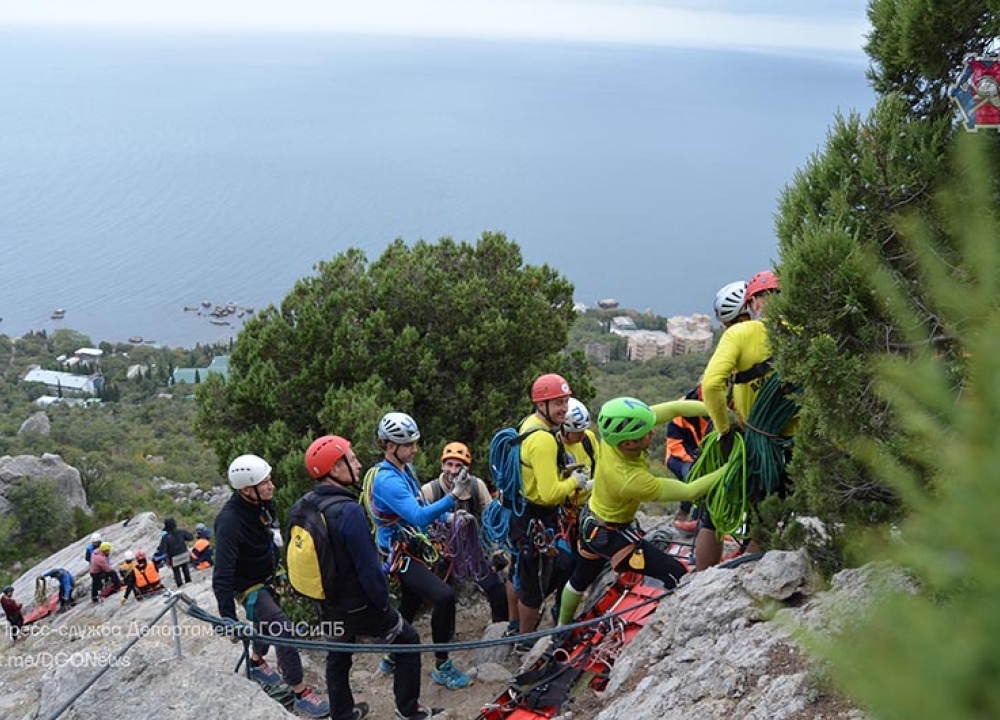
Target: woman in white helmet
x=400, y=511
x=246, y=557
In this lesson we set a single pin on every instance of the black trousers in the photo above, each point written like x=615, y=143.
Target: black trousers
x=419, y=584
x=375, y=625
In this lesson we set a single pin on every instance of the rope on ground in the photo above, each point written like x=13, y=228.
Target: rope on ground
x=226, y=627
x=113, y=660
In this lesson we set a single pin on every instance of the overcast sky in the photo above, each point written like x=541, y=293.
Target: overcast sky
x=808, y=27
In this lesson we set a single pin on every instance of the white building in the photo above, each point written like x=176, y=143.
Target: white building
x=64, y=382
x=691, y=333
x=645, y=345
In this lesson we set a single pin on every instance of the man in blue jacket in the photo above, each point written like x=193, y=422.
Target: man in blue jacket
x=361, y=608
x=402, y=515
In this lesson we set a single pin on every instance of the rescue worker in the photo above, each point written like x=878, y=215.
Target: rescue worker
x=66, y=583
x=401, y=516
x=145, y=578
x=95, y=542
x=101, y=573
x=14, y=612
x=362, y=608
x=741, y=360
x=540, y=568
x=247, y=539
x=456, y=460
x=608, y=532
x=173, y=545
x=684, y=435
x=201, y=551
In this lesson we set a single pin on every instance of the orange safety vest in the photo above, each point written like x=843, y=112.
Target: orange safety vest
x=197, y=550
x=146, y=578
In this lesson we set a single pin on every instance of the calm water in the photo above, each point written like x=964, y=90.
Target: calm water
x=143, y=173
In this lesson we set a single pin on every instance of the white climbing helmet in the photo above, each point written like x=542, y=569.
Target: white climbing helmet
x=729, y=301
x=577, y=417
x=399, y=428
x=247, y=471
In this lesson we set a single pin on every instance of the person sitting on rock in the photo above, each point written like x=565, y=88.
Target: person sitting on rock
x=201, y=551
x=145, y=578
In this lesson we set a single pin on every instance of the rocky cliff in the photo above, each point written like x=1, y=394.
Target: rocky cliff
x=723, y=646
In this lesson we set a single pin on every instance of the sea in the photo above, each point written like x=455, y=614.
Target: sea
x=148, y=177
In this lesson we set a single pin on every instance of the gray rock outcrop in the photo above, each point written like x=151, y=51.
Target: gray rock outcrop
x=37, y=423
x=67, y=477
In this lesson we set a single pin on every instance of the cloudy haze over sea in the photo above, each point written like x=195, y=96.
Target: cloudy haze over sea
x=155, y=157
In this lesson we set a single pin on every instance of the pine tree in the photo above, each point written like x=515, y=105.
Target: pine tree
x=839, y=223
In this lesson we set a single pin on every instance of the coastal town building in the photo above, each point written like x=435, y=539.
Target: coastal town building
x=194, y=376
x=691, y=333
x=64, y=383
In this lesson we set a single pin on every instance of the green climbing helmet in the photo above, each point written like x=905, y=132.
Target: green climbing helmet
x=625, y=418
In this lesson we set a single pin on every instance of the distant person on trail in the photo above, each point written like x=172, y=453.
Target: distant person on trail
x=66, y=583
x=456, y=460
x=14, y=612
x=362, y=608
x=401, y=516
x=540, y=569
x=201, y=551
x=247, y=538
x=608, y=531
x=145, y=578
x=101, y=572
x=95, y=542
x=740, y=363
x=173, y=544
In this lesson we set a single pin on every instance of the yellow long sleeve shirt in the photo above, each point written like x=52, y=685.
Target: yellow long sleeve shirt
x=741, y=346
x=540, y=476
x=623, y=481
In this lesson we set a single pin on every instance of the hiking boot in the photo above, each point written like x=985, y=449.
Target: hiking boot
x=311, y=704
x=450, y=676
x=686, y=526
x=387, y=666
x=421, y=713
x=264, y=674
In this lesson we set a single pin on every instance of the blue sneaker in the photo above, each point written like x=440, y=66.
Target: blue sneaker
x=387, y=666
x=450, y=676
x=311, y=704
x=264, y=674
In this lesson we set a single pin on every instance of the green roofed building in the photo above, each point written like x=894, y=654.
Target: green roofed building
x=193, y=376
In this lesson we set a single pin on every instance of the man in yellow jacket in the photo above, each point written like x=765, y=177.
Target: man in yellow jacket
x=742, y=360
x=608, y=533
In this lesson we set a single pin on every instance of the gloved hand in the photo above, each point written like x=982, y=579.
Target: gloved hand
x=462, y=485
x=583, y=481
x=726, y=440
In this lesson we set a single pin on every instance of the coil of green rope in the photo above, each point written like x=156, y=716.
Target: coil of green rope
x=726, y=501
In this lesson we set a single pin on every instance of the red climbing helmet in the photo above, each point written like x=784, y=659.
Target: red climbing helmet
x=324, y=454
x=550, y=387
x=762, y=282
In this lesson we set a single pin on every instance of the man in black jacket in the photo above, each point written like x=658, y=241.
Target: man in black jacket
x=246, y=542
x=361, y=609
